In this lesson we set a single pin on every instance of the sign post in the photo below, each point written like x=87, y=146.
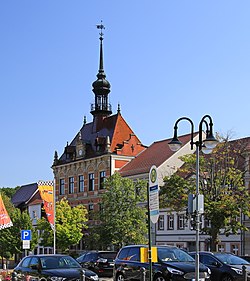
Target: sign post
x=153, y=210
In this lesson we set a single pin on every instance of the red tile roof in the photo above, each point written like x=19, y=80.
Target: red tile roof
x=156, y=154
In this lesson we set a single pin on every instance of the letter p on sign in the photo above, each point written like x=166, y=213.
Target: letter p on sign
x=25, y=234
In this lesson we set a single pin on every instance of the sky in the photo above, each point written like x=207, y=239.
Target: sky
x=164, y=59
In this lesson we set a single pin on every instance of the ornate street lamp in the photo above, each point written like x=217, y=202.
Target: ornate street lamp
x=206, y=145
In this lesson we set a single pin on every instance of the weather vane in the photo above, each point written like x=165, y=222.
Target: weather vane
x=100, y=26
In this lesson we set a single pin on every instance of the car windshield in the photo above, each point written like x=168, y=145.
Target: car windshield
x=173, y=254
x=109, y=256
x=51, y=262
x=230, y=259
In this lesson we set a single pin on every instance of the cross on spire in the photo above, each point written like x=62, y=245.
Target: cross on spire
x=100, y=26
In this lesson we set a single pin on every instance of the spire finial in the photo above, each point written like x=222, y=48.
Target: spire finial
x=100, y=26
x=119, y=108
x=84, y=120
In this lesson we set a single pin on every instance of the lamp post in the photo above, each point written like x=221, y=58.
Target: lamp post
x=206, y=145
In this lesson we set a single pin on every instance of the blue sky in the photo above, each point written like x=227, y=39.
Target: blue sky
x=164, y=59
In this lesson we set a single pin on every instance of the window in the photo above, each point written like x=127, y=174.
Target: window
x=235, y=249
x=62, y=187
x=81, y=183
x=91, y=209
x=134, y=254
x=207, y=260
x=91, y=182
x=34, y=261
x=221, y=248
x=170, y=222
x=161, y=223
x=181, y=221
x=34, y=215
x=26, y=262
x=71, y=185
x=102, y=179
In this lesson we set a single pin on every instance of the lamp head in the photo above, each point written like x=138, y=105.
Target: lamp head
x=206, y=150
x=210, y=142
x=175, y=144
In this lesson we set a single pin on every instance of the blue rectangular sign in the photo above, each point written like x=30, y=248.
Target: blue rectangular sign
x=25, y=234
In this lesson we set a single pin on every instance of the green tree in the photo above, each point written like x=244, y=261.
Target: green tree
x=70, y=222
x=123, y=218
x=9, y=191
x=10, y=238
x=222, y=184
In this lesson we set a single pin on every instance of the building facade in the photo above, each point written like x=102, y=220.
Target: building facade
x=174, y=228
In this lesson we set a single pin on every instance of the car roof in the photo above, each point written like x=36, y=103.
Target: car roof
x=146, y=246
x=48, y=255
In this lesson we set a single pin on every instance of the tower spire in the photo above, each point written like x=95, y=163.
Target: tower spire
x=101, y=26
x=101, y=87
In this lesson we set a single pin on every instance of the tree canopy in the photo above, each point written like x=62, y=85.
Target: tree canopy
x=123, y=216
x=70, y=222
x=10, y=238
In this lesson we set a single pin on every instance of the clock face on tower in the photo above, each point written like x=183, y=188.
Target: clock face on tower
x=80, y=152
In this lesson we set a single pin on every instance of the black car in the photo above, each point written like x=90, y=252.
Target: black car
x=51, y=268
x=224, y=266
x=101, y=262
x=173, y=264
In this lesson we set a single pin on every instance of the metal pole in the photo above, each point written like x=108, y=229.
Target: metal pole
x=54, y=206
x=197, y=222
x=149, y=238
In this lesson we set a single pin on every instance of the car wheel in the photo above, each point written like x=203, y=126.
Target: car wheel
x=159, y=278
x=120, y=277
x=226, y=278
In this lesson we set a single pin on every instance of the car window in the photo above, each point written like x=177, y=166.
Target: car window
x=88, y=257
x=34, y=261
x=26, y=262
x=134, y=254
x=173, y=254
x=51, y=262
x=230, y=259
x=81, y=258
x=110, y=256
x=123, y=254
x=67, y=261
x=207, y=260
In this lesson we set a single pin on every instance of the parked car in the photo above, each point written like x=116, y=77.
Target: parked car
x=247, y=258
x=173, y=264
x=50, y=268
x=224, y=266
x=101, y=262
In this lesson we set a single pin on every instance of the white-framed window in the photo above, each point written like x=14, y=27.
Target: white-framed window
x=71, y=185
x=235, y=249
x=91, y=181
x=161, y=222
x=221, y=247
x=102, y=177
x=170, y=222
x=80, y=183
x=62, y=186
x=181, y=221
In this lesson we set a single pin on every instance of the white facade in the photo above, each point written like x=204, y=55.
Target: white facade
x=174, y=229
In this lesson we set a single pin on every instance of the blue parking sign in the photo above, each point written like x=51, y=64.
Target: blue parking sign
x=25, y=234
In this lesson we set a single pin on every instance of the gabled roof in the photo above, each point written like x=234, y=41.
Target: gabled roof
x=156, y=154
x=114, y=127
x=24, y=194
